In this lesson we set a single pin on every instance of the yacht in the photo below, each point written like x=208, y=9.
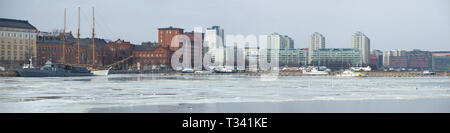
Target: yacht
x=315, y=71
x=350, y=73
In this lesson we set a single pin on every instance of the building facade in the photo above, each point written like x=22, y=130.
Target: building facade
x=196, y=49
x=17, y=42
x=214, y=43
x=440, y=61
x=336, y=58
x=277, y=41
x=293, y=57
x=149, y=57
x=120, y=50
x=49, y=46
x=316, y=41
x=165, y=38
x=391, y=53
x=362, y=42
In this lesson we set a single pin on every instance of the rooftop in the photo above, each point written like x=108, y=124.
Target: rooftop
x=170, y=28
x=13, y=23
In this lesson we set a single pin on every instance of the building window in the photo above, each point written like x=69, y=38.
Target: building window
x=15, y=46
x=9, y=46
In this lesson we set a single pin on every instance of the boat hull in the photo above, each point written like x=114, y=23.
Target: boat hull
x=100, y=72
x=49, y=73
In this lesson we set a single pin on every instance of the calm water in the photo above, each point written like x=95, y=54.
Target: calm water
x=79, y=94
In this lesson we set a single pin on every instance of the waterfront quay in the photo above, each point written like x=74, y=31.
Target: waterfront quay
x=13, y=73
x=290, y=73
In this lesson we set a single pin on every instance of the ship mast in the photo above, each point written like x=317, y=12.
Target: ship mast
x=78, y=37
x=64, y=39
x=93, y=37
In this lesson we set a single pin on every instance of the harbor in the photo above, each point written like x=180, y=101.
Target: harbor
x=134, y=92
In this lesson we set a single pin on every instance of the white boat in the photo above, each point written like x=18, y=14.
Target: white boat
x=187, y=70
x=366, y=69
x=100, y=72
x=349, y=73
x=203, y=72
x=224, y=70
x=427, y=72
x=314, y=71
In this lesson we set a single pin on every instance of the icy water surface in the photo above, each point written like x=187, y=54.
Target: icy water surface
x=79, y=94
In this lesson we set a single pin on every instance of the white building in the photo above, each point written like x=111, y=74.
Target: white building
x=277, y=41
x=215, y=44
x=362, y=42
x=316, y=42
x=388, y=54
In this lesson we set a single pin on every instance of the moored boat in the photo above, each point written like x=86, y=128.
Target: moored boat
x=350, y=73
x=55, y=70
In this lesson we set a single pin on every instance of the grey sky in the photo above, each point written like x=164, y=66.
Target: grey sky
x=390, y=24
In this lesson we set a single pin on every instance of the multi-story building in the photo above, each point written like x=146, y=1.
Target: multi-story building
x=103, y=55
x=251, y=56
x=215, y=44
x=292, y=57
x=120, y=50
x=165, y=38
x=376, y=59
x=196, y=51
x=336, y=58
x=316, y=41
x=362, y=42
x=416, y=59
x=440, y=61
x=17, y=42
x=277, y=41
x=398, y=62
x=419, y=59
x=49, y=47
x=149, y=57
x=388, y=54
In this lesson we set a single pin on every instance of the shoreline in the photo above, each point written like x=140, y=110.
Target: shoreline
x=425, y=105
x=280, y=73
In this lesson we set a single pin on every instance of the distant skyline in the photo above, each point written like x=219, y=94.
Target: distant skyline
x=390, y=24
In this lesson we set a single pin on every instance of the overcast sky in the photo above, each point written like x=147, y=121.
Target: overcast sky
x=390, y=24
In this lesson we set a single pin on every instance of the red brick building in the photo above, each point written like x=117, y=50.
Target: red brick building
x=150, y=57
x=196, y=48
x=121, y=49
x=49, y=47
x=375, y=61
x=165, y=37
x=398, y=62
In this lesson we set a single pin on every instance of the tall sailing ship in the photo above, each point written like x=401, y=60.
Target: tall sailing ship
x=51, y=69
x=62, y=69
